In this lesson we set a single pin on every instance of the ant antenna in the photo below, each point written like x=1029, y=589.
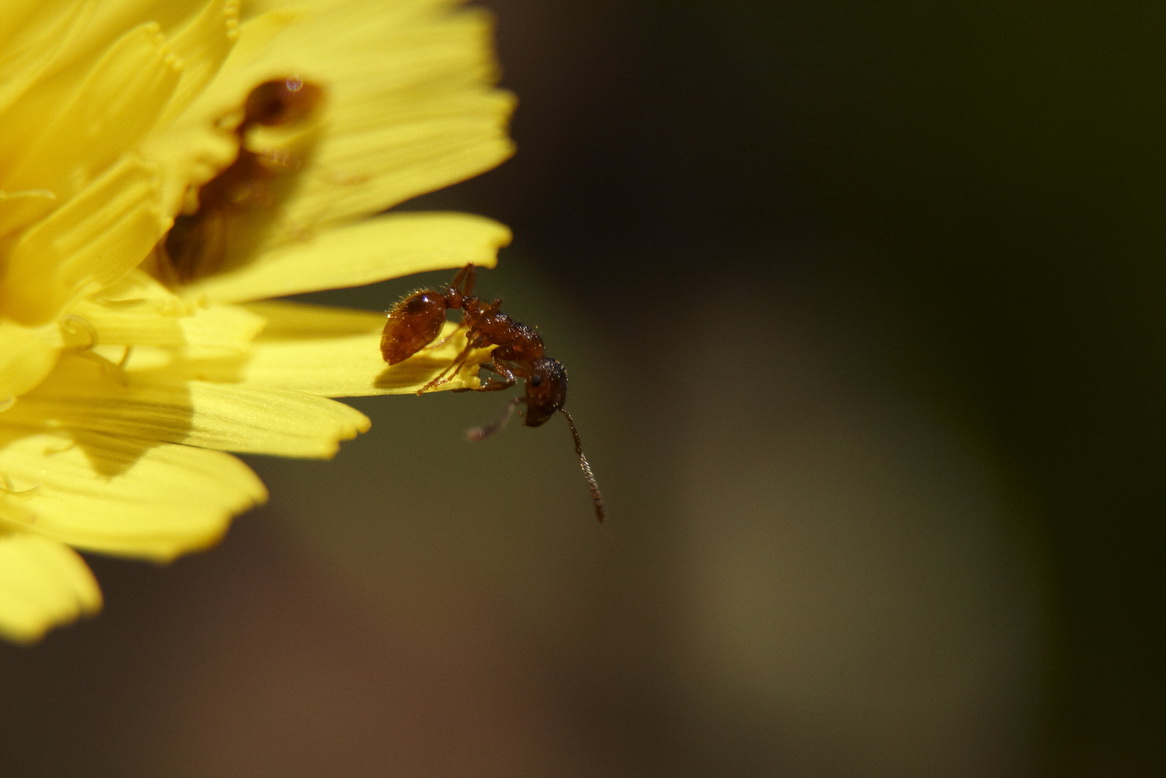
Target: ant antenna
x=585, y=466
x=477, y=433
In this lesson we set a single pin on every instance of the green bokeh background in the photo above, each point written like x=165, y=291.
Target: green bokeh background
x=863, y=309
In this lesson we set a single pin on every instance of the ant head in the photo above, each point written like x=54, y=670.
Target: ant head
x=281, y=101
x=546, y=390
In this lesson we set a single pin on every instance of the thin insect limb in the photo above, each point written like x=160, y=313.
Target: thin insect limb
x=448, y=374
x=447, y=338
x=465, y=279
x=492, y=384
x=478, y=433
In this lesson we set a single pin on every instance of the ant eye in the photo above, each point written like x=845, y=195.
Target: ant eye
x=536, y=380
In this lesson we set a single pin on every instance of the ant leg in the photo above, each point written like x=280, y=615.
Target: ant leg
x=464, y=280
x=453, y=334
x=477, y=433
x=446, y=375
x=492, y=384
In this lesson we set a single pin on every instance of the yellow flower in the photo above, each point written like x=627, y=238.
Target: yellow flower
x=122, y=384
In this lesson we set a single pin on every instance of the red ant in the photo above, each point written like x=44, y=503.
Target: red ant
x=416, y=321
x=196, y=243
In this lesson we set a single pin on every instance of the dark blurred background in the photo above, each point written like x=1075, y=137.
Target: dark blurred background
x=863, y=309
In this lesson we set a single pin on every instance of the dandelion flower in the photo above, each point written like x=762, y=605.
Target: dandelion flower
x=122, y=385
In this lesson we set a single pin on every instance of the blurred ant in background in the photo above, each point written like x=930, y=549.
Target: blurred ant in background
x=197, y=242
x=416, y=321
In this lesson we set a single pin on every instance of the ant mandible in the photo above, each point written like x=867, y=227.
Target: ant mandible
x=196, y=243
x=416, y=321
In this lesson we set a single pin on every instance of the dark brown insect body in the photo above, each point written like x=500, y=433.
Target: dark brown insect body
x=518, y=352
x=196, y=244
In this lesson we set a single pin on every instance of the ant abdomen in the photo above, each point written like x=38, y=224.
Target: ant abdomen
x=413, y=324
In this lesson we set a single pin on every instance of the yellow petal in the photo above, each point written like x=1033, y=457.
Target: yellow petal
x=202, y=44
x=410, y=104
x=86, y=244
x=123, y=496
x=423, y=148
x=33, y=32
x=363, y=253
x=86, y=395
x=42, y=584
x=26, y=357
x=336, y=353
x=66, y=137
x=193, y=147
x=210, y=325
x=20, y=209
x=140, y=312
